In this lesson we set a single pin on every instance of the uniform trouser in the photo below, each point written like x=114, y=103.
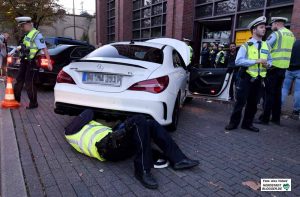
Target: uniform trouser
x=142, y=133
x=247, y=93
x=27, y=74
x=272, y=95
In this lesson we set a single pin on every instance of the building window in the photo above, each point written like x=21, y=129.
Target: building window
x=283, y=12
x=276, y=2
x=204, y=11
x=245, y=19
x=251, y=4
x=149, y=19
x=111, y=20
x=203, y=1
x=225, y=7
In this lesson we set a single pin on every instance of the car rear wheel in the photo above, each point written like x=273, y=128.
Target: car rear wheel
x=175, y=116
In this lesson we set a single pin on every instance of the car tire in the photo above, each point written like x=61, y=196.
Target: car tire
x=175, y=116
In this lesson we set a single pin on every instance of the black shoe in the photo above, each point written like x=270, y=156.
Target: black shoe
x=277, y=122
x=32, y=106
x=296, y=115
x=250, y=128
x=231, y=126
x=146, y=179
x=159, y=160
x=261, y=122
x=185, y=164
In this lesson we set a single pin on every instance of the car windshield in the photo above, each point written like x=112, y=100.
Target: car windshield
x=135, y=52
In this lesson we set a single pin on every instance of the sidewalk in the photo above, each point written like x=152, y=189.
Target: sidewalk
x=10, y=166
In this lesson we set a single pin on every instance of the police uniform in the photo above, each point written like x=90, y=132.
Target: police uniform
x=250, y=80
x=281, y=42
x=34, y=42
x=134, y=135
x=220, y=58
x=191, y=48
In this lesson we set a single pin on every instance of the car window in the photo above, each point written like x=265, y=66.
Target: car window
x=127, y=51
x=80, y=52
x=177, y=60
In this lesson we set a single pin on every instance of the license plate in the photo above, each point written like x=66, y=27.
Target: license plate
x=102, y=79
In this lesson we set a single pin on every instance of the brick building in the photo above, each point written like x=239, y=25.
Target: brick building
x=218, y=21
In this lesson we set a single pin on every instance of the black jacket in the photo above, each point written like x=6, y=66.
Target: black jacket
x=295, y=58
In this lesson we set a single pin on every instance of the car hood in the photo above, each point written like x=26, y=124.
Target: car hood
x=180, y=46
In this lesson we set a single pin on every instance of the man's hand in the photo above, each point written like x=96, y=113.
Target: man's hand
x=261, y=61
x=50, y=67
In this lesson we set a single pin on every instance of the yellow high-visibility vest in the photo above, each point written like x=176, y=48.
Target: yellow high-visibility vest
x=253, y=54
x=222, y=61
x=191, y=53
x=28, y=41
x=282, y=50
x=85, y=140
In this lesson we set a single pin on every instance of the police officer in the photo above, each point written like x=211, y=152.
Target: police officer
x=134, y=135
x=32, y=43
x=254, y=58
x=220, y=61
x=281, y=41
x=188, y=42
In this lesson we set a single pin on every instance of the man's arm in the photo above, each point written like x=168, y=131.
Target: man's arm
x=241, y=58
x=272, y=39
x=40, y=43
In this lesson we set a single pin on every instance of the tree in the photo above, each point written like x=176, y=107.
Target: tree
x=42, y=12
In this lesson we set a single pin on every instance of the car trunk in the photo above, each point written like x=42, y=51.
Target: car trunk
x=110, y=74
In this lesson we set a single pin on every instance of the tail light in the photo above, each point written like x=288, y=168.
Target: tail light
x=43, y=61
x=152, y=85
x=64, y=77
x=9, y=60
x=212, y=91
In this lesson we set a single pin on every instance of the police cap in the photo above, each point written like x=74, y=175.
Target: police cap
x=277, y=19
x=258, y=21
x=23, y=19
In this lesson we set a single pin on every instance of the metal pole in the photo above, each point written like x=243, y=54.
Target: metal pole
x=74, y=19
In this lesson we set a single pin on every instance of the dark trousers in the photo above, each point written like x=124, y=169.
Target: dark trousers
x=27, y=74
x=233, y=82
x=142, y=133
x=247, y=93
x=272, y=95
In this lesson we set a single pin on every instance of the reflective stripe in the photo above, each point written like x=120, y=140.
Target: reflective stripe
x=82, y=137
x=279, y=39
x=92, y=139
x=9, y=97
x=281, y=58
x=9, y=86
x=282, y=50
x=72, y=141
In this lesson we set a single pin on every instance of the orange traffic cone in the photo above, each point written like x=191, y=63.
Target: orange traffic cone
x=9, y=99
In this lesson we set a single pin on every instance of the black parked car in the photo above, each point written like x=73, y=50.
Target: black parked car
x=54, y=41
x=60, y=56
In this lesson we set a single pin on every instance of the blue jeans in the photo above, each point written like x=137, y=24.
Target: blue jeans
x=289, y=77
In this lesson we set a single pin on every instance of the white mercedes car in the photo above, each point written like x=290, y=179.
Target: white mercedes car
x=126, y=78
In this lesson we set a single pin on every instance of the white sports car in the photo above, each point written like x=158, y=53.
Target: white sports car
x=124, y=78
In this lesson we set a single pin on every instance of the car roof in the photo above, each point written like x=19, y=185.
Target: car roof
x=148, y=44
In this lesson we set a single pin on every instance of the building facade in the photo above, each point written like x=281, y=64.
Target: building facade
x=217, y=21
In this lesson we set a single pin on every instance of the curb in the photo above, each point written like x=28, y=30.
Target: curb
x=12, y=179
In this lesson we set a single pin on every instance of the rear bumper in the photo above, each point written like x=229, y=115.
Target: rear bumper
x=74, y=110
x=71, y=100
